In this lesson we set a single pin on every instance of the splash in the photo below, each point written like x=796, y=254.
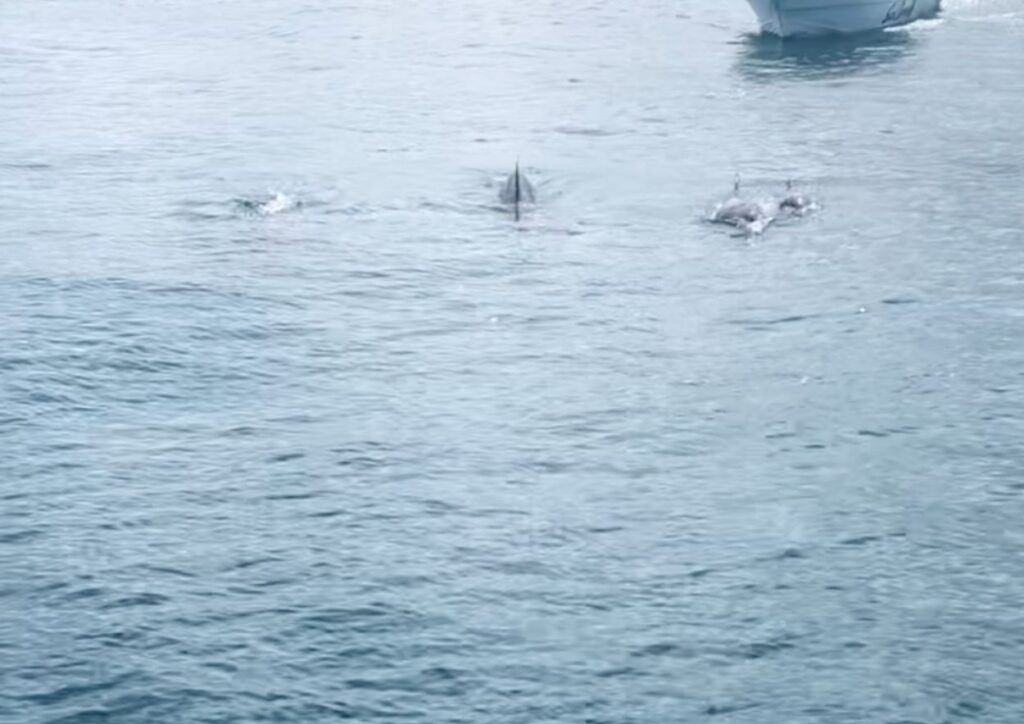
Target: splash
x=753, y=217
x=984, y=10
x=278, y=203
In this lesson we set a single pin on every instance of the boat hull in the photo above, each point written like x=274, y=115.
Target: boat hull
x=788, y=18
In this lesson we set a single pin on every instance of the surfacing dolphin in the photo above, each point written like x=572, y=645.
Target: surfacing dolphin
x=276, y=204
x=517, y=191
x=749, y=216
x=795, y=202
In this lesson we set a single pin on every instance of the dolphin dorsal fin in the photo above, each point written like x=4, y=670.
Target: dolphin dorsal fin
x=518, y=192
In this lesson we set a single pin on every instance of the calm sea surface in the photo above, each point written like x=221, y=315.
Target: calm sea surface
x=379, y=452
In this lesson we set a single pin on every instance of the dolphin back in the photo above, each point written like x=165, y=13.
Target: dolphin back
x=517, y=189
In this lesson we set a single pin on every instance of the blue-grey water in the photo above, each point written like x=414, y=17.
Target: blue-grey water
x=379, y=452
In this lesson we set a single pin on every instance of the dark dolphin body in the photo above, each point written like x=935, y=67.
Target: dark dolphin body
x=517, y=191
x=796, y=202
x=749, y=216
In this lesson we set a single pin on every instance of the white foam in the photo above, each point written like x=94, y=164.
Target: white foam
x=277, y=204
x=985, y=10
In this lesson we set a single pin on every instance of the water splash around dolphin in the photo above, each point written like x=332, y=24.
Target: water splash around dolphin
x=750, y=217
x=796, y=203
x=277, y=203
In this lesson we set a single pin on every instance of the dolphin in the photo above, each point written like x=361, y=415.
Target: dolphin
x=517, y=191
x=749, y=216
x=796, y=202
x=276, y=204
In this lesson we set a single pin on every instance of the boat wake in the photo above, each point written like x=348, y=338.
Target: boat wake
x=988, y=11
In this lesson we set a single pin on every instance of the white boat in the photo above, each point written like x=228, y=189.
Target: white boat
x=787, y=18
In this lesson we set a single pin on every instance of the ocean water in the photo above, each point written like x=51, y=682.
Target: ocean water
x=297, y=424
